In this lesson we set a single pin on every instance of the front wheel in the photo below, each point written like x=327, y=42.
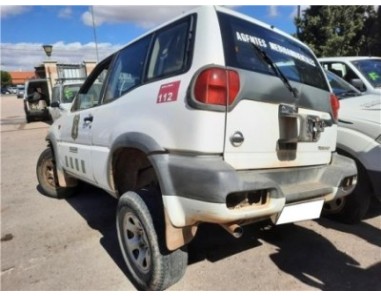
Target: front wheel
x=140, y=231
x=47, y=176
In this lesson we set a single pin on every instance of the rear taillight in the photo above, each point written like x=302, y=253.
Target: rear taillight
x=335, y=104
x=216, y=86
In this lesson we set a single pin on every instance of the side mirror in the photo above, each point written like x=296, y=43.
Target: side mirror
x=357, y=83
x=55, y=104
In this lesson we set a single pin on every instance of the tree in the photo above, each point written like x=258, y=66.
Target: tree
x=335, y=30
x=6, y=78
x=372, y=33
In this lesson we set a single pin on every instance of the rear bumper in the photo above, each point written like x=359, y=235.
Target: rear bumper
x=200, y=188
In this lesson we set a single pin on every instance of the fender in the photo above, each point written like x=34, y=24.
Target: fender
x=63, y=179
x=138, y=141
x=134, y=140
x=175, y=236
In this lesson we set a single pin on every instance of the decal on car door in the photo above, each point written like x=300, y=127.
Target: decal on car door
x=74, y=129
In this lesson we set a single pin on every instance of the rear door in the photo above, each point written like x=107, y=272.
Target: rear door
x=267, y=126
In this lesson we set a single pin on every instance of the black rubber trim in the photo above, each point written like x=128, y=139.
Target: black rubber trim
x=210, y=179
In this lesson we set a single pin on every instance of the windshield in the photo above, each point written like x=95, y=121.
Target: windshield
x=69, y=92
x=295, y=61
x=340, y=87
x=371, y=69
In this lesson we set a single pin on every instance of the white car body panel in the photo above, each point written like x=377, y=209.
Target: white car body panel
x=359, y=129
x=256, y=122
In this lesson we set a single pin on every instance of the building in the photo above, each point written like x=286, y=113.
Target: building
x=58, y=72
x=54, y=72
x=19, y=77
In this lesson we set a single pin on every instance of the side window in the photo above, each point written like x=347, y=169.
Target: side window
x=169, y=51
x=90, y=94
x=127, y=69
x=342, y=70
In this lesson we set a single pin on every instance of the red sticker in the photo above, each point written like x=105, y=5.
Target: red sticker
x=168, y=92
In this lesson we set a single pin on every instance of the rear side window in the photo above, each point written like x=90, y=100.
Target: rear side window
x=296, y=62
x=169, y=51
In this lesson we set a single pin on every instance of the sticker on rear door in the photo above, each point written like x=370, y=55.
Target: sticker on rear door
x=168, y=92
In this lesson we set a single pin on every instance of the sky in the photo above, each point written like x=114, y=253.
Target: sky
x=74, y=33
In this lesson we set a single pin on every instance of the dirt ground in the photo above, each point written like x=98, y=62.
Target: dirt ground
x=49, y=244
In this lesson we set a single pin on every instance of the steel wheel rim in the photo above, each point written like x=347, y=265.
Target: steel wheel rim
x=136, y=242
x=48, y=173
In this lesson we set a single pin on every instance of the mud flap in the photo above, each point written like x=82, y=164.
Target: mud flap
x=299, y=211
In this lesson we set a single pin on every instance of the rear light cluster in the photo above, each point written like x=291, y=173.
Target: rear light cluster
x=216, y=86
x=335, y=105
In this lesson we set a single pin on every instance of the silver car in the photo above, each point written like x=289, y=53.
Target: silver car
x=359, y=137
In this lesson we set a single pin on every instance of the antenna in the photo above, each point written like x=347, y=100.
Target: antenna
x=95, y=33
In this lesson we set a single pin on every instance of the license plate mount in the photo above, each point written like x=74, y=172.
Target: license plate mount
x=300, y=211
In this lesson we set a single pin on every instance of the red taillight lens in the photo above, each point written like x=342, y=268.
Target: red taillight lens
x=335, y=104
x=217, y=86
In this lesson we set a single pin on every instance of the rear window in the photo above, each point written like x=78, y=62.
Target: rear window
x=296, y=62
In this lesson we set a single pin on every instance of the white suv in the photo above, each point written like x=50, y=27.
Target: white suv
x=362, y=72
x=212, y=117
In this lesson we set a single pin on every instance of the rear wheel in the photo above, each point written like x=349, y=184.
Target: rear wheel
x=352, y=208
x=140, y=226
x=47, y=176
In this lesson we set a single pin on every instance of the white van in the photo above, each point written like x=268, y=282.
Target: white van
x=212, y=117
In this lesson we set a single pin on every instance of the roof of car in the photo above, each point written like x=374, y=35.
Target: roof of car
x=213, y=8
x=352, y=58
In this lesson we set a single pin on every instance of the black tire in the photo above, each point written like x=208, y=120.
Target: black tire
x=140, y=230
x=355, y=205
x=47, y=176
x=28, y=118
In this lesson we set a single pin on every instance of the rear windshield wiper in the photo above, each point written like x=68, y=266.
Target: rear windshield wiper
x=263, y=55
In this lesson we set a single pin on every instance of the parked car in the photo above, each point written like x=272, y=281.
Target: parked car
x=20, y=91
x=362, y=72
x=5, y=91
x=37, y=100
x=359, y=137
x=212, y=117
x=63, y=95
x=13, y=89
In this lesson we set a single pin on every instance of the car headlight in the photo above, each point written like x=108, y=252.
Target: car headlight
x=378, y=139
